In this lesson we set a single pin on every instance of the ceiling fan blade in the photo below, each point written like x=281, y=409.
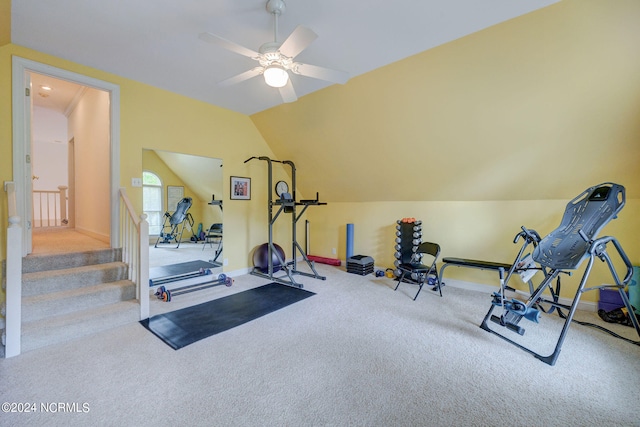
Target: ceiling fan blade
x=241, y=77
x=287, y=93
x=229, y=45
x=297, y=41
x=322, y=73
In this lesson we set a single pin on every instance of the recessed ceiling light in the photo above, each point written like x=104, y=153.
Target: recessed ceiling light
x=44, y=87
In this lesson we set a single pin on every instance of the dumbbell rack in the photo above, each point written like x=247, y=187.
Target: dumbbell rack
x=408, y=238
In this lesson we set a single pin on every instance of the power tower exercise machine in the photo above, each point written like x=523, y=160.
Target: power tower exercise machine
x=285, y=203
x=561, y=251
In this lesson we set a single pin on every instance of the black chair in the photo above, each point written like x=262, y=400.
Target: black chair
x=214, y=236
x=420, y=270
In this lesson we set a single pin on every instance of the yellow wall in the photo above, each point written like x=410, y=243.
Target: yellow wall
x=476, y=230
x=539, y=107
x=5, y=22
x=476, y=137
x=157, y=119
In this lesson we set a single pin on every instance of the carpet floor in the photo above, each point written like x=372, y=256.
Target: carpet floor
x=191, y=324
x=355, y=354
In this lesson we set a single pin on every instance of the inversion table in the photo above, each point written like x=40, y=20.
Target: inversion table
x=562, y=251
x=174, y=224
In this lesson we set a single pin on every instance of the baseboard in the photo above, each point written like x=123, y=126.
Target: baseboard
x=479, y=287
x=103, y=238
x=240, y=272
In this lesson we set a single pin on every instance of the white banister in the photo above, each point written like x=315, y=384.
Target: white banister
x=134, y=236
x=63, y=203
x=50, y=207
x=13, y=285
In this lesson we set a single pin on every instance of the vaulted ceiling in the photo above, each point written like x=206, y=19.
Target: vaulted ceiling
x=156, y=42
x=519, y=110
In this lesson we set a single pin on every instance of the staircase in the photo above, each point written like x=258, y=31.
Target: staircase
x=67, y=296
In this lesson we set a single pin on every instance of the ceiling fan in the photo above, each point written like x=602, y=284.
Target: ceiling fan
x=276, y=58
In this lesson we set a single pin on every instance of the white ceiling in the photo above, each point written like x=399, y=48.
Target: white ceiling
x=61, y=97
x=156, y=42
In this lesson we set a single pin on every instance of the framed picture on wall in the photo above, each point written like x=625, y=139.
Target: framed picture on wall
x=174, y=196
x=240, y=188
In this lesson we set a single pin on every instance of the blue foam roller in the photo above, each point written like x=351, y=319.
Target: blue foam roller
x=349, y=240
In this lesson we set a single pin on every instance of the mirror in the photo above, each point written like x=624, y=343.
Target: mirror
x=195, y=233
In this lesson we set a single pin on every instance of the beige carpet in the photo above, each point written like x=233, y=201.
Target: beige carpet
x=63, y=240
x=355, y=354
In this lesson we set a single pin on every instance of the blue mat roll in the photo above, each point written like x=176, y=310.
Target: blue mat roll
x=349, y=240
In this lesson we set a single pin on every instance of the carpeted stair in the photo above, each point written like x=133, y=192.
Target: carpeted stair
x=66, y=296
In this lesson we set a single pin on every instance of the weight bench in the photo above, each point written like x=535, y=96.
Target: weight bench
x=471, y=263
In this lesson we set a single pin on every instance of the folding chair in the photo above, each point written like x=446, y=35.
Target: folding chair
x=419, y=270
x=214, y=235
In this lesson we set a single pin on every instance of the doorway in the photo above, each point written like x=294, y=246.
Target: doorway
x=89, y=110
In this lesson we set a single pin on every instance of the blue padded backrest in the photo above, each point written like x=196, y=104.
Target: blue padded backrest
x=564, y=247
x=181, y=211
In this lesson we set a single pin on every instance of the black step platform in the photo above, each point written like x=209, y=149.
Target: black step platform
x=360, y=264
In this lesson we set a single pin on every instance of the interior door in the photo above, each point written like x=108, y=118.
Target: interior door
x=22, y=137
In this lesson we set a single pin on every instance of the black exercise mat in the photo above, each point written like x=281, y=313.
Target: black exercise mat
x=176, y=272
x=183, y=327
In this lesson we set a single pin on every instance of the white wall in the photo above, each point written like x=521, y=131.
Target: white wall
x=89, y=127
x=49, y=151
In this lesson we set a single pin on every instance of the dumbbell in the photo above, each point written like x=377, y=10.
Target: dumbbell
x=228, y=281
x=163, y=294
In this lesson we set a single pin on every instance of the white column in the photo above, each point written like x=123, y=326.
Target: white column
x=143, y=267
x=13, y=291
x=63, y=204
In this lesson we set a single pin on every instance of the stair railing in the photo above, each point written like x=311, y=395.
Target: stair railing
x=134, y=237
x=12, y=308
x=50, y=207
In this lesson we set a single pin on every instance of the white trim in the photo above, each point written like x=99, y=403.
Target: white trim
x=20, y=66
x=20, y=134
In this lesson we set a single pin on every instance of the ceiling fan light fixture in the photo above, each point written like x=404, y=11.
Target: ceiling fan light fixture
x=275, y=75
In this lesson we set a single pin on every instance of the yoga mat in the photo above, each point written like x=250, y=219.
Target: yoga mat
x=183, y=327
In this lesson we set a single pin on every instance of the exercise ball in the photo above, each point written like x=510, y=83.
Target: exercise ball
x=261, y=258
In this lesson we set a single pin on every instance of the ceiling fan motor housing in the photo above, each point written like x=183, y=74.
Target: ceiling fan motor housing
x=276, y=7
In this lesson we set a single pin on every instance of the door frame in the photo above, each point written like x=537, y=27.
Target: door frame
x=21, y=108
